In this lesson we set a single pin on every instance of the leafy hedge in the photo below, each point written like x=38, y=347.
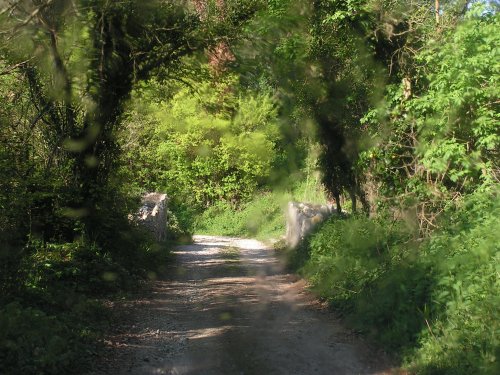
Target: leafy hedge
x=209, y=143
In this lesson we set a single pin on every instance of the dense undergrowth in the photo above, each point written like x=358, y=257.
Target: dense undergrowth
x=434, y=303
x=53, y=319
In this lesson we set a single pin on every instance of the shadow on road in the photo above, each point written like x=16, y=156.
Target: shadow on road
x=228, y=307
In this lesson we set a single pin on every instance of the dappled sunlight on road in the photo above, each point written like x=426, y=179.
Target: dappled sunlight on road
x=228, y=307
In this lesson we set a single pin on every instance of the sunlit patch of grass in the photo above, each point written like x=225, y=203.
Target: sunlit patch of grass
x=262, y=218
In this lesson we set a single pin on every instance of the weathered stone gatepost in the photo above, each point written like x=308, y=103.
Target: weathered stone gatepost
x=153, y=215
x=301, y=218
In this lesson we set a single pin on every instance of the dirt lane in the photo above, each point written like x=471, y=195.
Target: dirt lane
x=229, y=308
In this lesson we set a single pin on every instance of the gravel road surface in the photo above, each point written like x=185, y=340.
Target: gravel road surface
x=228, y=307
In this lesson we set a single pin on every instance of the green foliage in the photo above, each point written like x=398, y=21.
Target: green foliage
x=32, y=342
x=348, y=254
x=181, y=219
x=465, y=327
x=439, y=140
x=434, y=302
x=210, y=144
x=457, y=115
x=71, y=266
x=262, y=218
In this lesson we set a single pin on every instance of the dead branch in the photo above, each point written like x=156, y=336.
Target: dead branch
x=11, y=68
x=11, y=7
x=33, y=15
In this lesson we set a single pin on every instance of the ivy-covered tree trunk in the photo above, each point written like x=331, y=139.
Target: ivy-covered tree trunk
x=80, y=60
x=111, y=72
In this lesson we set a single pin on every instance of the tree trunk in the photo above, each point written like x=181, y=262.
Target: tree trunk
x=336, y=196
x=352, y=195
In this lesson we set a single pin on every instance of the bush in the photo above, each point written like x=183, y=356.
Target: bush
x=218, y=142
x=463, y=337
x=73, y=267
x=181, y=218
x=51, y=322
x=434, y=302
x=34, y=342
x=348, y=254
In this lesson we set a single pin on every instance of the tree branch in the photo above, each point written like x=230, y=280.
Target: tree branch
x=11, y=68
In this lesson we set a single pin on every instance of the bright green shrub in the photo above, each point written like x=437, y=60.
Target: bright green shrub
x=367, y=271
x=207, y=143
x=440, y=140
x=456, y=115
x=346, y=255
x=464, y=337
x=207, y=157
x=181, y=218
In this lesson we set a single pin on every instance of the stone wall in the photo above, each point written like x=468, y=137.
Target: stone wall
x=153, y=215
x=301, y=218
